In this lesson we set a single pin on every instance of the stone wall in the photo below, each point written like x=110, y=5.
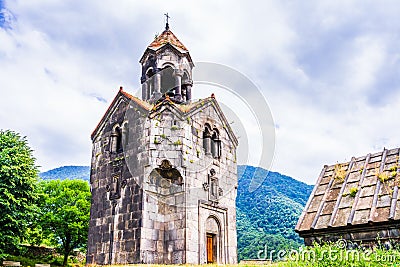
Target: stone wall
x=116, y=209
x=151, y=201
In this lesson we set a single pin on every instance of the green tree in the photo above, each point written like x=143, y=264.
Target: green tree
x=64, y=208
x=18, y=177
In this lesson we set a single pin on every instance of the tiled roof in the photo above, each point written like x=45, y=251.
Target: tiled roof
x=121, y=91
x=361, y=192
x=140, y=102
x=167, y=37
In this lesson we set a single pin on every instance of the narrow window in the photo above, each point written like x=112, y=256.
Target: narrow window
x=207, y=139
x=119, y=139
x=216, y=144
x=116, y=140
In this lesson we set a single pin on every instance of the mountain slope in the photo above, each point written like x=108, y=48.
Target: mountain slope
x=268, y=215
x=67, y=172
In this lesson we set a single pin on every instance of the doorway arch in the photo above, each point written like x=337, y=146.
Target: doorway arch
x=213, y=240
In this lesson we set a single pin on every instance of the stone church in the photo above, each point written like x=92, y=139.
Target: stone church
x=163, y=170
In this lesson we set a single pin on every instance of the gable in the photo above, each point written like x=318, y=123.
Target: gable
x=363, y=191
x=121, y=100
x=192, y=109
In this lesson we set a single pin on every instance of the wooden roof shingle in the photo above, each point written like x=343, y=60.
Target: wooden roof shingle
x=363, y=191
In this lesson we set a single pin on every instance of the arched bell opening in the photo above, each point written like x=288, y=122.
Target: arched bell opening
x=168, y=81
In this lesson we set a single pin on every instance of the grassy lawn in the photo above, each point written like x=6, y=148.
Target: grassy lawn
x=329, y=255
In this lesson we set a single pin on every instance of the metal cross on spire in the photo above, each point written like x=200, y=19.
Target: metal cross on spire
x=167, y=18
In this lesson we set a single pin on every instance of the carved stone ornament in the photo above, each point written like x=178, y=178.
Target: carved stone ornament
x=206, y=186
x=212, y=172
x=220, y=191
x=165, y=164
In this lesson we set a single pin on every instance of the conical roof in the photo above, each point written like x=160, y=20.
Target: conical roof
x=167, y=37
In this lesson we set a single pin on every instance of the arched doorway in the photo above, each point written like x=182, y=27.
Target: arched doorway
x=213, y=240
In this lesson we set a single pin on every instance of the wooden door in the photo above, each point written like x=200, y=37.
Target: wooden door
x=210, y=247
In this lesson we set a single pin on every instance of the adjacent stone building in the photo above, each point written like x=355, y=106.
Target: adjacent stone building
x=356, y=201
x=163, y=170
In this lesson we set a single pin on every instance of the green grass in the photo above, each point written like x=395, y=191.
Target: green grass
x=328, y=255
x=31, y=261
x=331, y=255
x=29, y=258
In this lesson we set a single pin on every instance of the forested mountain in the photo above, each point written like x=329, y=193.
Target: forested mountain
x=67, y=172
x=265, y=216
x=268, y=215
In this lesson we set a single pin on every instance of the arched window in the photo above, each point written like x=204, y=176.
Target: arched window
x=116, y=139
x=207, y=139
x=215, y=144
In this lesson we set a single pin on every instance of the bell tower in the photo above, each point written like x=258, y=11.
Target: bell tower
x=166, y=69
x=163, y=170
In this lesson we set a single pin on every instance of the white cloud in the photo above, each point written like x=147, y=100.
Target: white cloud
x=329, y=70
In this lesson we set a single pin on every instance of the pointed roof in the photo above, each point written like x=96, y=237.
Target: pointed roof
x=164, y=40
x=167, y=37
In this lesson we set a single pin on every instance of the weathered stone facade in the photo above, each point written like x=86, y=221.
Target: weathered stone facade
x=163, y=171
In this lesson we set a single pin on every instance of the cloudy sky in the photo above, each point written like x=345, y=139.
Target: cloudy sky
x=330, y=70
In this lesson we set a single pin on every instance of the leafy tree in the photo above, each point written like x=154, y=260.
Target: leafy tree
x=65, y=207
x=18, y=177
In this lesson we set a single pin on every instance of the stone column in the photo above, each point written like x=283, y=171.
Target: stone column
x=144, y=89
x=189, y=91
x=157, y=85
x=178, y=84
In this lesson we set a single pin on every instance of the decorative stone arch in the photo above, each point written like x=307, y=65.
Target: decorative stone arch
x=166, y=179
x=213, y=239
x=168, y=64
x=150, y=72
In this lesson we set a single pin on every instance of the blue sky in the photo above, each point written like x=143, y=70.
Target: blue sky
x=328, y=69
x=2, y=22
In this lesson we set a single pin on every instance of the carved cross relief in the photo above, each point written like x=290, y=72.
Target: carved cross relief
x=212, y=186
x=116, y=185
